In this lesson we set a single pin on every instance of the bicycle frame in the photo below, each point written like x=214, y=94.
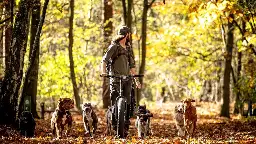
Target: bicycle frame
x=117, y=112
x=121, y=78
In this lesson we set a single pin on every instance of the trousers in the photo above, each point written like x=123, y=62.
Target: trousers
x=125, y=89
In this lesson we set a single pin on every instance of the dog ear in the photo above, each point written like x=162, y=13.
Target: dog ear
x=192, y=100
x=144, y=105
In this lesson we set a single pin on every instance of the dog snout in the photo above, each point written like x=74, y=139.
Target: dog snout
x=87, y=110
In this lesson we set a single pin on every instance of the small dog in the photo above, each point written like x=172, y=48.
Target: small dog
x=179, y=119
x=90, y=119
x=143, y=121
x=27, y=124
x=190, y=116
x=62, y=116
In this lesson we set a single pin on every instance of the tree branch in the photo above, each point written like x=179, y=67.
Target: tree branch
x=5, y=20
x=241, y=31
x=233, y=76
x=151, y=3
x=252, y=47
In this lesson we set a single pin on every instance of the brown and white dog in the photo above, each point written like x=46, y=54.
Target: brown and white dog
x=179, y=119
x=62, y=116
x=190, y=118
x=90, y=119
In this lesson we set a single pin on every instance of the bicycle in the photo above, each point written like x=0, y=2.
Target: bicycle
x=121, y=104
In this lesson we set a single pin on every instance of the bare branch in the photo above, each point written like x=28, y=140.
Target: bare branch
x=151, y=3
x=5, y=20
x=241, y=31
x=252, y=47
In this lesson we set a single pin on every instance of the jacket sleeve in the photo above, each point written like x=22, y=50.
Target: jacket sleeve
x=111, y=49
x=131, y=58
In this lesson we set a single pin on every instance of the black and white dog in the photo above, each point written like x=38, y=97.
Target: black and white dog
x=179, y=119
x=143, y=121
x=27, y=124
x=90, y=119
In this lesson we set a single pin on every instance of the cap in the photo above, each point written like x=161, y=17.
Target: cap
x=123, y=30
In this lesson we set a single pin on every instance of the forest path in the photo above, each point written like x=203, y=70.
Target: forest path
x=210, y=129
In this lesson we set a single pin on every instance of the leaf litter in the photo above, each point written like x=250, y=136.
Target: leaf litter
x=210, y=129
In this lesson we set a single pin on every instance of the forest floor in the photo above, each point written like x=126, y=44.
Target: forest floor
x=210, y=129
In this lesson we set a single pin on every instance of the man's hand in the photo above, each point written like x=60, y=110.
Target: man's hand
x=138, y=85
x=103, y=69
x=103, y=74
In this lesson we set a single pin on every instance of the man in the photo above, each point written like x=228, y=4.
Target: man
x=120, y=59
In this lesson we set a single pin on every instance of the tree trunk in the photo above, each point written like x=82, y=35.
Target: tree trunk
x=124, y=12
x=31, y=77
x=127, y=13
x=107, y=32
x=227, y=70
x=129, y=19
x=146, y=6
x=70, y=54
x=14, y=72
x=7, y=30
x=143, y=46
x=1, y=41
x=238, y=102
x=218, y=82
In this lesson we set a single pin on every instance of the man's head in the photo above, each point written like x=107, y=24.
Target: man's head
x=123, y=32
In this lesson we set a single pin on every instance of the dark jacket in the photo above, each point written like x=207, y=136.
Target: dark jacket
x=119, y=59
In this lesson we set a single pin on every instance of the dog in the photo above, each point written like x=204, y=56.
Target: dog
x=143, y=121
x=190, y=116
x=27, y=124
x=90, y=119
x=62, y=116
x=179, y=119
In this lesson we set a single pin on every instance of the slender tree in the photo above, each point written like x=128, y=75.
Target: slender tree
x=238, y=106
x=1, y=38
x=146, y=6
x=127, y=13
x=31, y=77
x=227, y=70
x=124, y=12
x=107, y=31
x=7, y=30
x=70, y=54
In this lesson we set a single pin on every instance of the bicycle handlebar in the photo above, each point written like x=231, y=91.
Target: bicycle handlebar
x=147, y=114
x=121, y=76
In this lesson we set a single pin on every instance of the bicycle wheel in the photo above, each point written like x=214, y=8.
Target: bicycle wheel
x=120, y=117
